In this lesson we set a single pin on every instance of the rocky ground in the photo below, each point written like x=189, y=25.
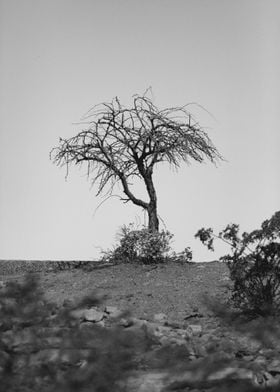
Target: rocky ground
x=171, y=304
x=174, y=289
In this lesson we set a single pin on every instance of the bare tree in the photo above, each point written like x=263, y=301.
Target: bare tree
x=121, y=143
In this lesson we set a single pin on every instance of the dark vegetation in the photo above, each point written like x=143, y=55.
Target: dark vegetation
x=254, y=265
x=143, y=246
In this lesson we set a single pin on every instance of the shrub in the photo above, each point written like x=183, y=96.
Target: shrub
x=140, y=246
x=185, y=256
x=254, y=265
x=143, y=246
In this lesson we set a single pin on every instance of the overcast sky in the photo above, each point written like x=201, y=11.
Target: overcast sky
x=60, y=57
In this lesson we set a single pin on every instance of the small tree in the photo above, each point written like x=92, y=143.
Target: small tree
x=122, y=143
x=254, y=264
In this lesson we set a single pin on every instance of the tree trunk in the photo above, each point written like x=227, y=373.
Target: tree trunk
x=151, y=207
x=153, y=224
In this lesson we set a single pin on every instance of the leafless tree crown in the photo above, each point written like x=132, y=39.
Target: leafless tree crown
x=128, y=142
x=120, y=143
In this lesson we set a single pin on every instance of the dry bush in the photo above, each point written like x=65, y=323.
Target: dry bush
x=254, y=265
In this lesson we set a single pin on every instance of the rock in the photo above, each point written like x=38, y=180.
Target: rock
x=250, y=344
x=161, y=330
x=248, y=357
x=151, y=328
x=2, y=284
x=264, y=380
x=268, y=352
x=126, y=322
x=164, y=341
x=67, y=303
x=177, y=341
x=271, y=381
x=86, y=324
x=146, y=382
x=100, y=323
x=194, y=329
x=182, y=332
x=4, y=358
x=160, y=318
x=93, y=315
x=231, y=372
x=113, y=311
x=274, y=366
x=173, y=324
x=132, y=321
x=225, y=279
x=78, y=313
x=260, y=360
x=139, y=323
x=159, y=381
x=193, y=315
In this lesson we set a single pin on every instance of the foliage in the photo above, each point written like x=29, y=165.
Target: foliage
x=254, y=264
x=142, y=246
x=185, y=256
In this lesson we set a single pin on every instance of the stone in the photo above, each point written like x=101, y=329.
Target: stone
x=138, y=323
x=225, y=279
x=151, y=328
x=173, y=324
x=260, y=360
x=126, y=322
x=195, y=329
x=87, y=325
x=231, y=372
x=162, y=330
x=177, y=341
x=274, y=366
x=264, y=380
x=132, y=321
x=78, y=313
x=145, y=382
x=193, y=315
x=113, y=311
x=160, y=318
x=164, y=341
x=271, y=381
x=67, y=303
x=248, y=357
x=100, y=323
x=93, y=315
x=268, y=352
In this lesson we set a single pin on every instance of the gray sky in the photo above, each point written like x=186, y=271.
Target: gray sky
x=60, y=57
